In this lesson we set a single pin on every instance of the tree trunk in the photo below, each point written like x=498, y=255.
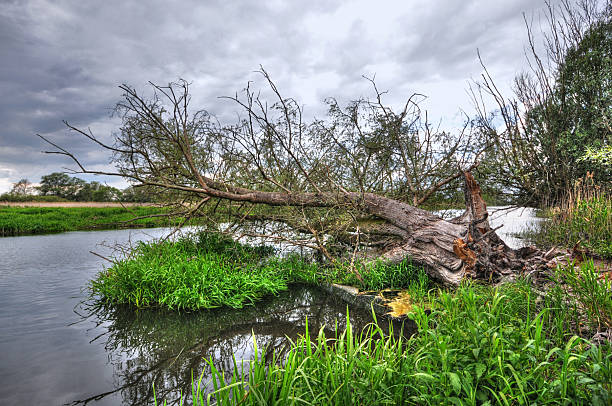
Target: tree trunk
x=450, y=250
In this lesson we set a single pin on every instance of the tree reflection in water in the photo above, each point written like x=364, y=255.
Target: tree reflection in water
x=169, y=349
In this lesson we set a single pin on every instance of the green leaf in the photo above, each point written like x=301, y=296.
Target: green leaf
x=425, y=376
x=480, y=369
x=455, y=382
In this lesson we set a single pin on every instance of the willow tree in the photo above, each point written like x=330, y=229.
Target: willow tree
x=348, y=186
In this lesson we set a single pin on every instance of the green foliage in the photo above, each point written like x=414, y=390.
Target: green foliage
x=66, y=187
x=201, y=271
x=380, y=275
x=61, y=185
x=44, y=220
x=603, y=155
x=477, y=346
x=206, y=270
x=559, y=126
x=578, y=116
x=583, y=222
x=138, y=195
x=580, y=301
x=10, y=197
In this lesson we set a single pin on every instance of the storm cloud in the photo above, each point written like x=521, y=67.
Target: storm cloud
x=63, y=60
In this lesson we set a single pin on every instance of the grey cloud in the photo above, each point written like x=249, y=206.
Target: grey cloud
x=63, y=60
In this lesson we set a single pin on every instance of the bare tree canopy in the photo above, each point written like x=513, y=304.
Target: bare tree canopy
x=347, y=186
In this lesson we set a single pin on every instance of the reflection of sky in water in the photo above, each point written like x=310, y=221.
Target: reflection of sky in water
x=514, y=220
x=163, y=348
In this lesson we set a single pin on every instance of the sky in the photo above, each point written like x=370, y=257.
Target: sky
x=64, y=60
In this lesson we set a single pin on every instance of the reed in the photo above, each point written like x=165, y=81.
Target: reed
x=579, y=301
x=582, y=220
x=477, y=345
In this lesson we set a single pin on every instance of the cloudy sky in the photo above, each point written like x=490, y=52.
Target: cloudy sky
x=63, y=60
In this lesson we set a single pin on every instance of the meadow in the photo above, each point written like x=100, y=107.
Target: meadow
x=44, y=220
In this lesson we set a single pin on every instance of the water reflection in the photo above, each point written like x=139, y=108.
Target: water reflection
x=168, y=350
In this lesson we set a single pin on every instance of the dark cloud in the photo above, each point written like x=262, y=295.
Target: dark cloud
x=63, y=60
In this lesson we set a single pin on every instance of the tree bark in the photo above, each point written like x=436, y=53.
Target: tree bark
x=455, y=249
x=450, y=250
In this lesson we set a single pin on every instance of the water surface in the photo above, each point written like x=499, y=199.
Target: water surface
x=58, y=348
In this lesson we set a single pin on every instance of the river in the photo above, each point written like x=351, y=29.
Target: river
x=57, y=347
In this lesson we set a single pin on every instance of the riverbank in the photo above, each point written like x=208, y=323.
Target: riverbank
x=500, y=344
x=543, y=338
x=73, y=204
x=46, y=218
x=476, y=345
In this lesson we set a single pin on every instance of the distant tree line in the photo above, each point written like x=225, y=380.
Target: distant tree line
x=59, y=186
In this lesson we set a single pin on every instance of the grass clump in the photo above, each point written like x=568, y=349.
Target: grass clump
x=44, y=220
x=478, y=345
x=378, y=276
x=200, y=271
x=579, y=301
x=583, y=219
x=206, y=270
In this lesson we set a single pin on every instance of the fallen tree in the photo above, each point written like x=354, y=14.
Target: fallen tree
x=348, y=186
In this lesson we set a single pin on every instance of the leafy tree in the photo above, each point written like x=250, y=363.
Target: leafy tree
x=97, y=192
x=578, y=115
x=137, y=195
x=562, y=108
x=22, y=188
x=61, y=185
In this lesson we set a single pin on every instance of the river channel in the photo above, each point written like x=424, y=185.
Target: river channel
x=57, y=347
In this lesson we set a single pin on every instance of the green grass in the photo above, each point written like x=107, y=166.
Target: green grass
x=201, y=271
x=477, y=346
x=205, y=270
x=381, y=275
x=586, y=223
x=44, y=220
x=579, y=301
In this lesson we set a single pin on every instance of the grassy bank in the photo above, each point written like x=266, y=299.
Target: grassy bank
x=43, y=220
x=205, y=270
x=198, y=272
x=477, y=345
x=583, y=220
